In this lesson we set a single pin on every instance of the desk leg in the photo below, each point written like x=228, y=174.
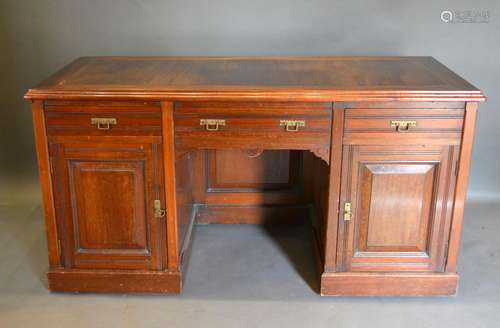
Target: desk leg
x=170, y=192
x=330, y=241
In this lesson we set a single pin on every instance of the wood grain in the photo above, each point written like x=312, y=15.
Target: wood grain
x=335, y=177
x=44, y=172
x=119, y=281
x=254, y=125
x=262, y=214
x=461, y=185
x=254, y=78
x=440, y=123
x=398, y=196
x=74, y=118
x=102, y=205
x=170, y=185
x=373, y=284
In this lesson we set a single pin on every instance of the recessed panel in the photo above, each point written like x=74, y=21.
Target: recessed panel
x=108, y=202
x=395, y=208
x=240, y=169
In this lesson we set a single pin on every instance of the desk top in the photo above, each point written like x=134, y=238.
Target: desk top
x=257, y=78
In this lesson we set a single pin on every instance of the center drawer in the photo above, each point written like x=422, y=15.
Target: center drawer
x=252, y=125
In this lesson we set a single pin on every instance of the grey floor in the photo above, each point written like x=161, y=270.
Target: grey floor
x=239, y=276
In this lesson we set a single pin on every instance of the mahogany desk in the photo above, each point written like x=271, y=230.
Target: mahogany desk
x=373, y=151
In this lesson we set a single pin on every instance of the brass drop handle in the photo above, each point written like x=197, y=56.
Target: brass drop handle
x=292, y=125
x=347, y=212
x=103, y=123
x=159, y=212
x=403, y=126
x=211, y=124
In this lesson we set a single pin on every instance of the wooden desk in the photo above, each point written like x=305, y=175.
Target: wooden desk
x=373, y=151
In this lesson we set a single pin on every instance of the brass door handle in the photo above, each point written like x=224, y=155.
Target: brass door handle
x=211, y=124
x=347, y=212
x=403, y=126
x=103, y=123
x=292, y=125
x=159, y=212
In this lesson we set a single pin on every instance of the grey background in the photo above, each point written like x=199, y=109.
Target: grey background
x=39, y=37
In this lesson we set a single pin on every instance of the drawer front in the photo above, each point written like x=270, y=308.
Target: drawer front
x=103, y=118
x=253, y=125
x=403, y=125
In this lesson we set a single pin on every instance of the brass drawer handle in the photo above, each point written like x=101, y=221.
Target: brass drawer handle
x=403, y=126
x=103, y=123
x=292, y=125
x=211, y=124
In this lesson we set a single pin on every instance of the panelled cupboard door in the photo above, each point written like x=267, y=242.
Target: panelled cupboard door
x=105, y=196
x=401, y=199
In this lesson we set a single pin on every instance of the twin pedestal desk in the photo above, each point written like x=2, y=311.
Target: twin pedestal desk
x=374, y=152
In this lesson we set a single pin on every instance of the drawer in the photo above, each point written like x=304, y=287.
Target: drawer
x=253, y=125
x=103, y=118
x=403, y=125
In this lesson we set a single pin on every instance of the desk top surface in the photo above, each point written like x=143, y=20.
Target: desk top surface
x=257, y=78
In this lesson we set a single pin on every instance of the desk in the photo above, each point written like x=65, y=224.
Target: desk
x=374, y=152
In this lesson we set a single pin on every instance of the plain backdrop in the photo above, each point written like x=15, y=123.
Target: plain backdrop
x=38, y=37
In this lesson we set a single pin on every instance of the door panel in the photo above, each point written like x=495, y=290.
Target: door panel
x=395, y=200
x=106, y=205
x=109, y=206
x=399, y=198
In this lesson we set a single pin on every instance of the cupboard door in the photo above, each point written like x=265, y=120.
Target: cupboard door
x=401, y=198
x=105, y=197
